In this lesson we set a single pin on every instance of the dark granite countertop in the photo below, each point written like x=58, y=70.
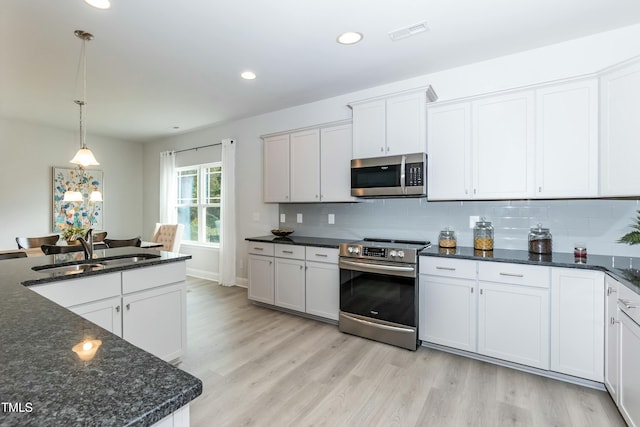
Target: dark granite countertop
x=44, y=381
x=321, y=242
x=624, y=269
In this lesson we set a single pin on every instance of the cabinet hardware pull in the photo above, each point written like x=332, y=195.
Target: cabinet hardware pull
x=117, y=309
x=628, y=305
x=128, y=306
x=481, y=291
x=539, y=189
x=511, y=274
x=610, y=291
x=322, y=255
x=300, y=267
x=259, y=249
x=445, y=268
x=614, y=321
x=287, y=252
x=270, y=262
x=471, y=290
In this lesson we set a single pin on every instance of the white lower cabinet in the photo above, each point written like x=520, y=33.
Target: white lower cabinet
x=513, y=323
x=290, y=284
x=612, y=338
x=629, y=398
x=295, y=277
x=577, y=323
x=106, y=313
x=146, y=306
x=155, y=320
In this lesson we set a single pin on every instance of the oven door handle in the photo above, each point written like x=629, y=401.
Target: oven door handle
x=403, y=172
x=379, y=267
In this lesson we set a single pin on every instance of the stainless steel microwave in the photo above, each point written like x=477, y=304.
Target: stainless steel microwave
x=390, y=176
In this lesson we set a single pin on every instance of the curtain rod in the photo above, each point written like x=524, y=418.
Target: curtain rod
x=197, y=148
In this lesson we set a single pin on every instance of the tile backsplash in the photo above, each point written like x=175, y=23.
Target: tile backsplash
x=598, y=223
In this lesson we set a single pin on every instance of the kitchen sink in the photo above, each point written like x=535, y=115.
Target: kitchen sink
x=69, y=269
x=631, y=273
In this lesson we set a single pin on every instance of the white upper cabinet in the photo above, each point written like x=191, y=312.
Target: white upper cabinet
x=335, y=163
x=567, y=140
x=311, y=165
x=391, y=125
x=503, y=146
x=305, y=165
x=276, y=168
x=449, y=151
x=620, y=133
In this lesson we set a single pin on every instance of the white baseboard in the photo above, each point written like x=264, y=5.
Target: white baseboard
x=202, y=274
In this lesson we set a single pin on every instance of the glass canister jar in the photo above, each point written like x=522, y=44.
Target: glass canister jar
x=447, y=238
x=483, y=235
x=540, y=240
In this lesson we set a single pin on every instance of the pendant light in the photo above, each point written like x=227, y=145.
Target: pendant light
x=84, y=157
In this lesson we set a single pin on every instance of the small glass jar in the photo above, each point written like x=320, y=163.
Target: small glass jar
x=540, y=240
x=483, y=235
x=447, y=238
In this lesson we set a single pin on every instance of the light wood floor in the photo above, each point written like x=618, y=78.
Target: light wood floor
x=261, y=367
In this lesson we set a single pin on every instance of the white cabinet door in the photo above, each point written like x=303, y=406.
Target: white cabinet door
x=629, y=399
x=448, y=311
x=105, y=313
x=577, y=323
x=503, y=146
x=406, y=123
x=612, y=339
x=276, y=168
x=323, y=289
x=289, y=284
x=335, y=163
x=305, y=166
x=155, y=320
x=619, y=147
x=369, y=129
x=513, y=323
x=449, y=152
x=261, y=278
x=567, y=140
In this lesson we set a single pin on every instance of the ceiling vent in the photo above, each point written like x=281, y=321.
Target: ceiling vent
x=411, y=30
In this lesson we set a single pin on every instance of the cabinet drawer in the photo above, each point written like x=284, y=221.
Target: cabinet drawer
x=289, y=251
x=448, y=267
x=629, y=302
x=518, y=274
x=80, y=291
x=153, y=276
x=260, y=248
x=322, y=254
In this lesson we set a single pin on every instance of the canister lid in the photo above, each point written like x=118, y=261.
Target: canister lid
x=539, y=231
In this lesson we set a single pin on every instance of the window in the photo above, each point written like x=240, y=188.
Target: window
x=198, y=202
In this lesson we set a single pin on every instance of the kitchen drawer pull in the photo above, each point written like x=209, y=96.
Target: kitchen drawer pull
x=258, y=249
x=511, y=274
x=287, y=252
x=627, y=304
x=322, y=255
x=445, y=268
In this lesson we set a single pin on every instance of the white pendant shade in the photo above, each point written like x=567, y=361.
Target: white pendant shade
x=84, y=157
x=72, y=196
x=96, y=196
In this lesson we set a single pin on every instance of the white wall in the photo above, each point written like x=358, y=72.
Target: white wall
x=29, y=152
x=577, y=57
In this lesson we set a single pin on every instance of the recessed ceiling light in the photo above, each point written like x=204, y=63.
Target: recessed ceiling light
x=248, y=75
x=350, y=37
x=99, y=4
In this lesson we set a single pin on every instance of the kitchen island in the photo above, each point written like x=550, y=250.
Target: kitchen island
x=44, y=382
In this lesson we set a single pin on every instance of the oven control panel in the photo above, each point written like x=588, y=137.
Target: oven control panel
x=374, y=252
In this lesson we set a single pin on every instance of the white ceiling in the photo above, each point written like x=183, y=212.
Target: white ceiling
x=157, y=64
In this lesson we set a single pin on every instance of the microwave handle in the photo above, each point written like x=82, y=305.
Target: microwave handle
x=402, y=173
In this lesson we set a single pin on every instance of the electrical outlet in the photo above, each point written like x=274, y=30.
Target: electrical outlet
x=299, y=218
x=472, y=220
x=283, y=218
x=331, y=218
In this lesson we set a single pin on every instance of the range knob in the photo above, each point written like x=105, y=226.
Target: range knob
x=400, y=254
x=392, y=254
x=356, y=250
x=350, y=249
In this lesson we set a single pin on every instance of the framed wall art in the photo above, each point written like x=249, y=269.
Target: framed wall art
x=85, y=213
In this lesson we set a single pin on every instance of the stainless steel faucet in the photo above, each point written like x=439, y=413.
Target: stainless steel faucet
x=87, y=245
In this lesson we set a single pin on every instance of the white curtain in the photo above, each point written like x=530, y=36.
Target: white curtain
x=227, y=268
x=168, y=190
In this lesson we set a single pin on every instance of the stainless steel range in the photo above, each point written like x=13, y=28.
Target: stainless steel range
x=379, y=290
